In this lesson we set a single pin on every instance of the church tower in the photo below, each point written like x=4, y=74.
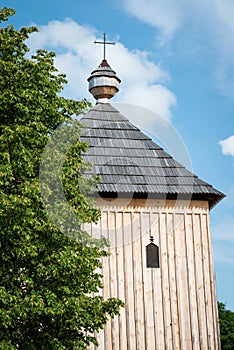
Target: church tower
x=155, y=213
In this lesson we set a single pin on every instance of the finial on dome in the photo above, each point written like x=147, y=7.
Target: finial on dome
x=104, y=43
x=103, y=81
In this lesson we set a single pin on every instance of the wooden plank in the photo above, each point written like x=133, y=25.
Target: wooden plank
x=106, y=280
x=165, y=282
x=129, y=285
x=192, y=283
x=138, y=282
x=121, y=279
x=207, y=279
x=96, y=229
x=147, y=286
x=157, y=290
x=182, y=283
x=200, y=281
x=96, y=234
x=172, y=278
x=101, y=340
x=113, y=276
x=213, y=288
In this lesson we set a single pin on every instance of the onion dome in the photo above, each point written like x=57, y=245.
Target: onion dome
x=103, y=82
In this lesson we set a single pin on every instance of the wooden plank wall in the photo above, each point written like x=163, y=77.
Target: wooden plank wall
x=173, y=307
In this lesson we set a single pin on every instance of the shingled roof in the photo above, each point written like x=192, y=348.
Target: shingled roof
x=129, y=162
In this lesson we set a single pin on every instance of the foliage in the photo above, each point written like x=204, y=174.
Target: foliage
x=48, y=296
x=226, y=324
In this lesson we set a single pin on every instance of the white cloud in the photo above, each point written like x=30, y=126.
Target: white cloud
x=170, y=15
x=166, y=15
x=77, y=56
x=155, y=97
x=75, y=52
x=222, y=36
x=208, y=20
x=228, y=146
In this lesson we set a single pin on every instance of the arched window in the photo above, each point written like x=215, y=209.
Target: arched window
x=152, y=254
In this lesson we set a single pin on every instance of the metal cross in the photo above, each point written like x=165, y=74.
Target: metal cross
x=104, y=43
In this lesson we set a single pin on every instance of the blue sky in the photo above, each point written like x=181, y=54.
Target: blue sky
x=175, y=58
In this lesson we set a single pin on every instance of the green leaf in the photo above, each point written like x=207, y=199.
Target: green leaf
x=49, y=281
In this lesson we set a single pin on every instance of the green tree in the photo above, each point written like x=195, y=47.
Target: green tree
x=49, y=283
x=226, y=324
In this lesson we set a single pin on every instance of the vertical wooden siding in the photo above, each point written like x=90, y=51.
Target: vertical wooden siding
x=173, y=307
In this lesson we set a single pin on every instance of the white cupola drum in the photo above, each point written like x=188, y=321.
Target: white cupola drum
x=103, y=82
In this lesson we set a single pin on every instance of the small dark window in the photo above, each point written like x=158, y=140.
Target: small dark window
x=152, y=255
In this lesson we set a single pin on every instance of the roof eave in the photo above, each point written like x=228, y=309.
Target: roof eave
x=213, y=199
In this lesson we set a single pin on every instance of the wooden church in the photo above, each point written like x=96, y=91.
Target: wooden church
x=155, y=213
